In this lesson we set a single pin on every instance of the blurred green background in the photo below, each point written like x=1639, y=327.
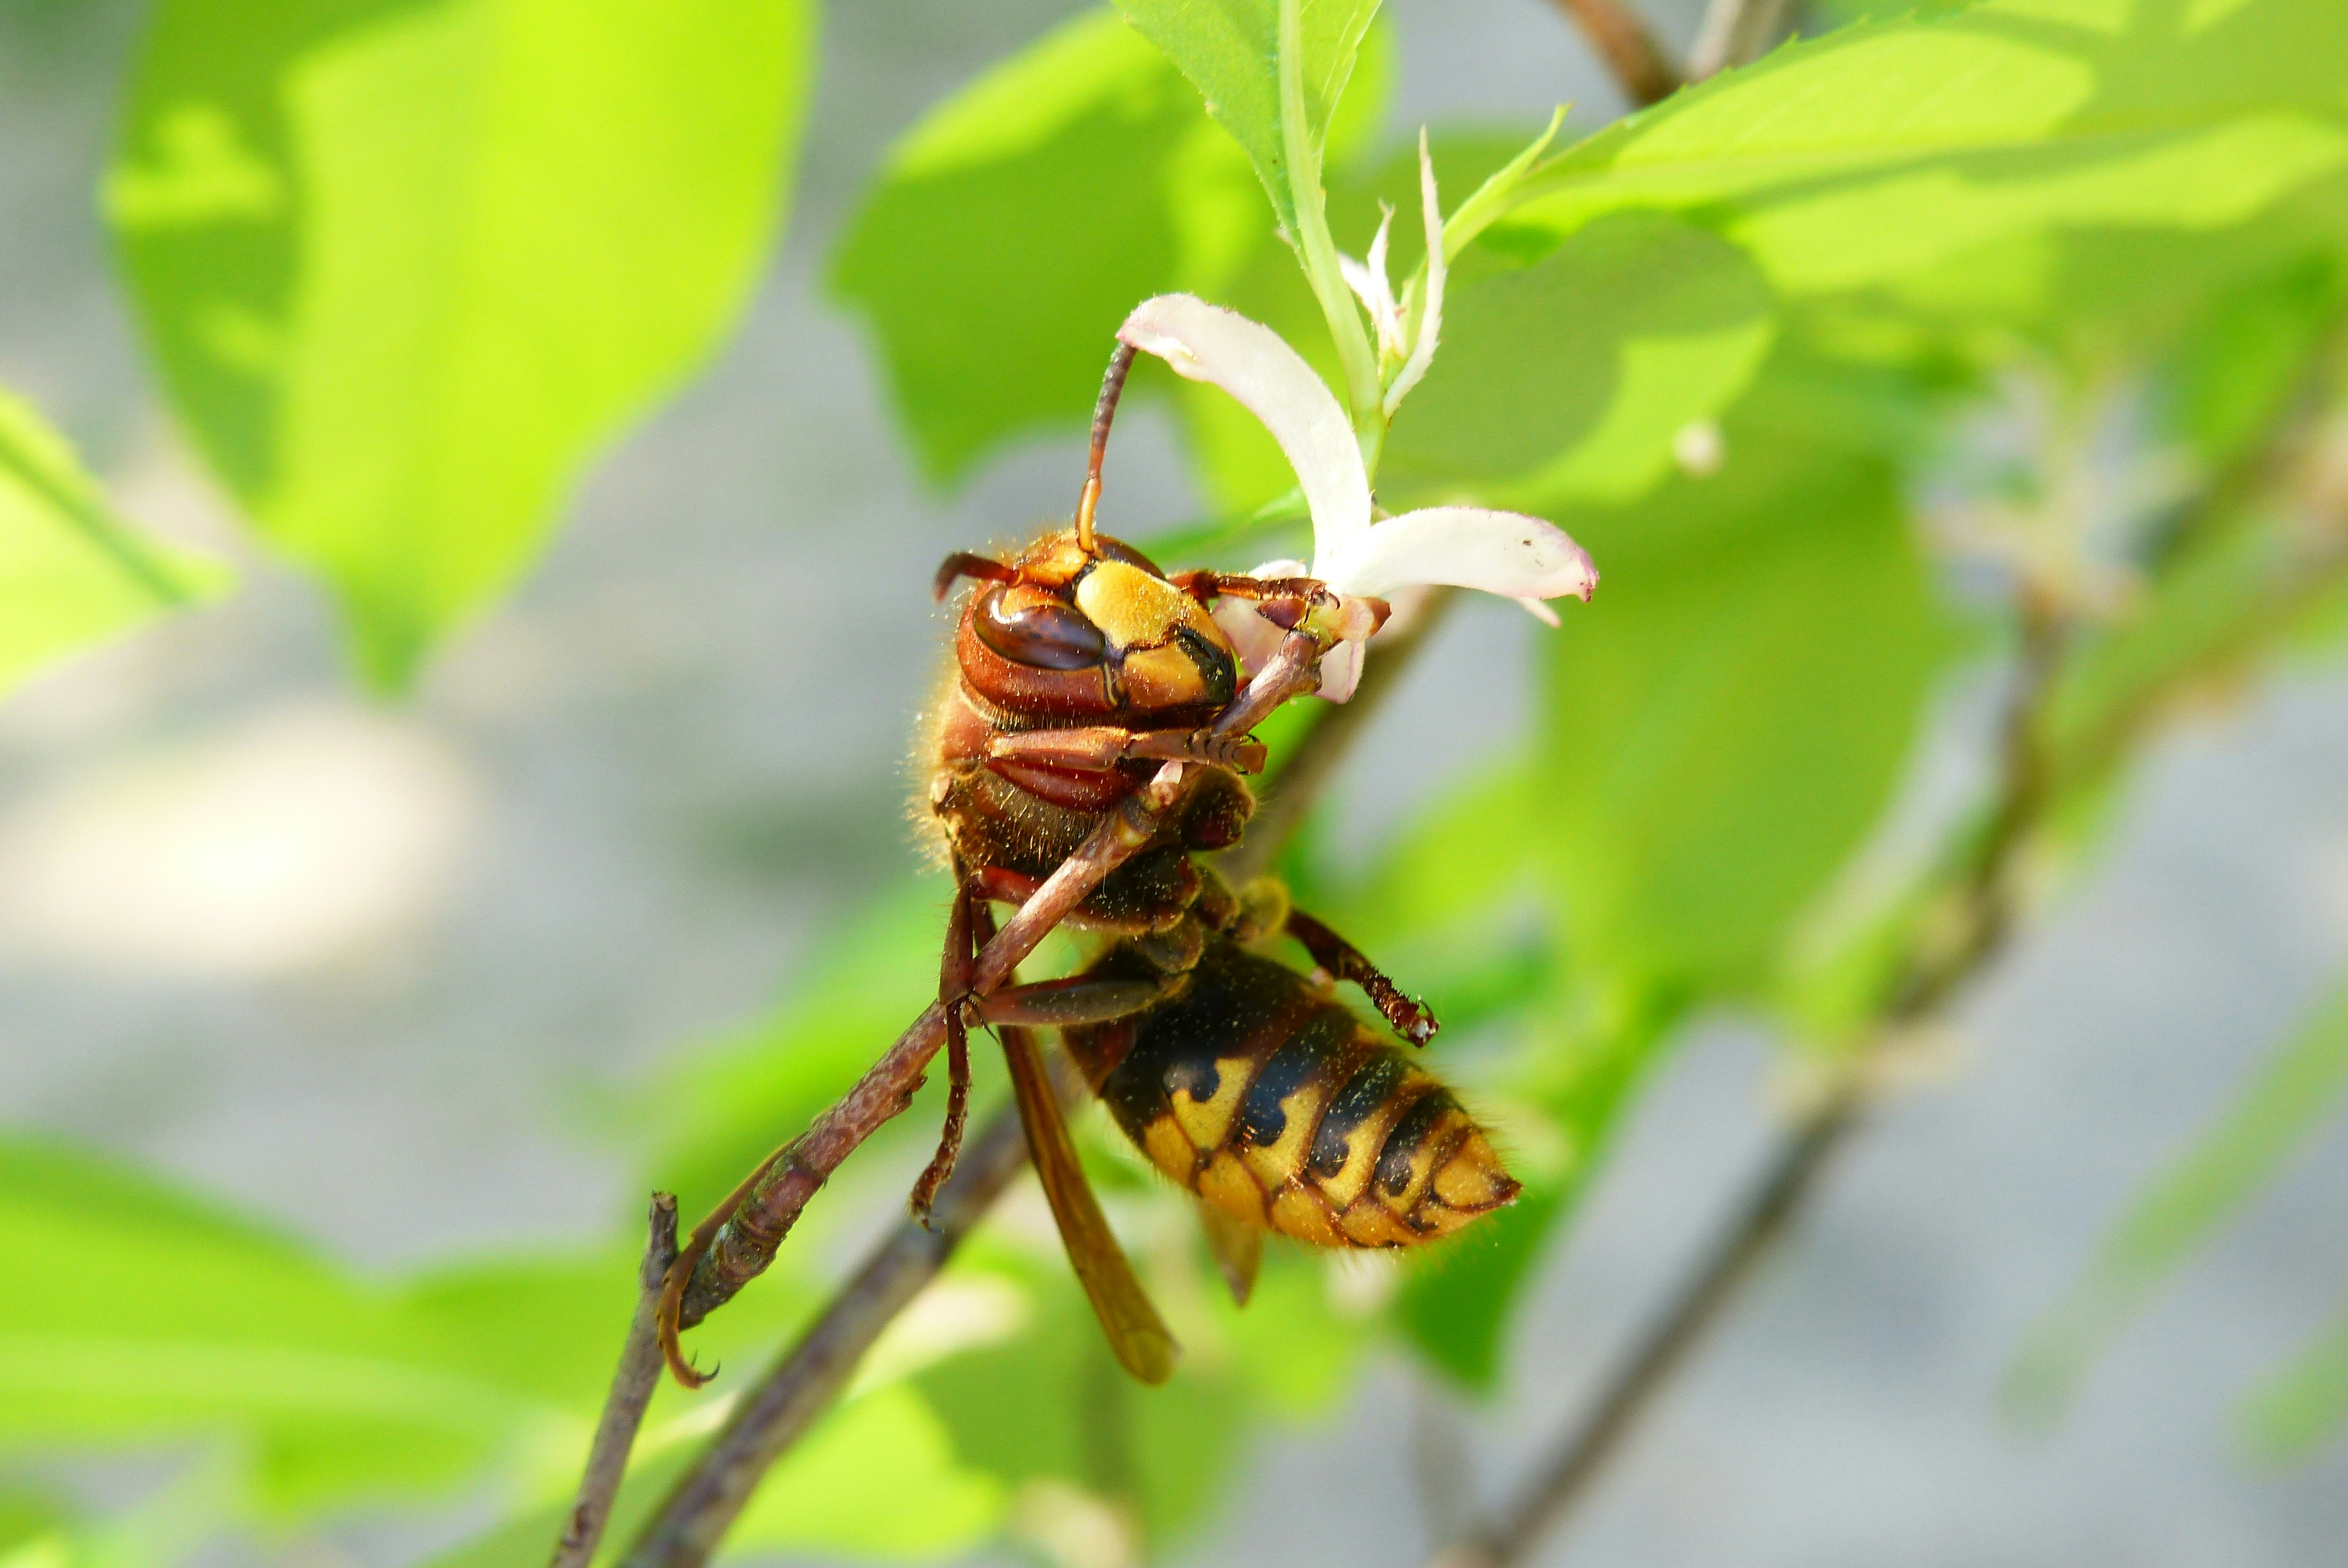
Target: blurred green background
x=467, y=489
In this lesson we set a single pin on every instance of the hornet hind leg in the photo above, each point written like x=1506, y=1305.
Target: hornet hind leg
x=1410, y=1018
x=953, y=990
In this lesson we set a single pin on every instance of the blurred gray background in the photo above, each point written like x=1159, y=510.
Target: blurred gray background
x=396, y=1009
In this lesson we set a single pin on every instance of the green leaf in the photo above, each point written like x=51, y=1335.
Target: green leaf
x=877, y=1477
x=2250, y=352
x=71, y=572
x=1238, y=463
x=2294, y=1092
x=131, y=1313
x=1015, y=225
x=847, y=1488
x=27, y=1514
x=1452, y=909
x=1732, y=711
x=2303, y=1406
x=1722, y=725
x=1229, y=50
x=1457, y=1311
x=1049, y=1405
x=1567, y=381
x=1849, y=161
x=1076, y=178
x=407, y=267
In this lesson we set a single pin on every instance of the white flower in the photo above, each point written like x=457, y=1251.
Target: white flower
x=1402, y=358
x=1505, y=553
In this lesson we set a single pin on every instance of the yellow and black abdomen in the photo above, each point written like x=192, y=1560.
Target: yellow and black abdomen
x=1272, y=1102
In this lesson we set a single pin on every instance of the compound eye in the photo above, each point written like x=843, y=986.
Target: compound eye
x=1032, y=628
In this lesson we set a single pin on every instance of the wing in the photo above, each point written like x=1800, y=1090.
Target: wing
x=1135, y=1331
x=1238, y=1248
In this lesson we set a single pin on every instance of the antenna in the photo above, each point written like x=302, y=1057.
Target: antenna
x=1112, y=388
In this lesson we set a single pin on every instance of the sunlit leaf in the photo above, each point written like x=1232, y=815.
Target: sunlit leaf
x=879, y=1477
x=1229, y=50
x=1051, y=1406
x=1735, y=706
x=2249, y=352
x=1017, y=223
x=131, y=1313
x=29, y=1512
x=1722, y=725
x=407, y=267
x=1849, y=159
x=71, y=572
x=2295, y=1092
x=1569, y=379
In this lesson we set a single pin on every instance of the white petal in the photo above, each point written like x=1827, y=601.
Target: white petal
x=1205, y=342
x=1540, y=612
x=1341, y=671
x=1254, y=638
x=1281, y=568
x=1430, y=318
x=1498, y=552
x=1359, y=279
x=1383, y=311
x=1378, y=257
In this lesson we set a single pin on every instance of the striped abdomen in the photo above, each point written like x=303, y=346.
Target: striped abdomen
x=1271, y=1101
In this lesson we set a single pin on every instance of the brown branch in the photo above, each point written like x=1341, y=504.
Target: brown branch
x=698, y=1513
x=804, y=1382
x=632, y=1385
x=1627, y=47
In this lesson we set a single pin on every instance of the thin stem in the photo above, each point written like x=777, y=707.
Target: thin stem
x=1313, y=244
x=1759, y=1222
x=804, y=1382
x=1628, y=49
x=696, y=1514
x=633, y=1385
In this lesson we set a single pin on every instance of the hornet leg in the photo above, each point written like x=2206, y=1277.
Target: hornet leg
x=1070, y=1003
x=1346, y=963
x=954, y=991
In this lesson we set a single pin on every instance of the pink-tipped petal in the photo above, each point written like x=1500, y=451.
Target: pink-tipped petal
x=1505, y=553
x=1247, y=360
x=1254, y=639
x=1341, y=671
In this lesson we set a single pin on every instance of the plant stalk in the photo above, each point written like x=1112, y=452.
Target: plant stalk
x=1314, y=246
x=633, y=1385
